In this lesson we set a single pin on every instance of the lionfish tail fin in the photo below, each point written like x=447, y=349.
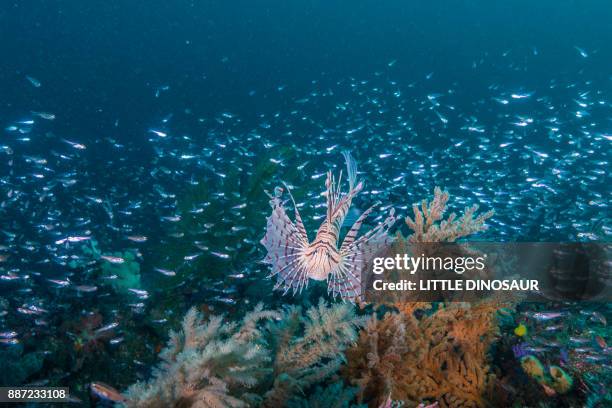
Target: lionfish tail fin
x=285, y=243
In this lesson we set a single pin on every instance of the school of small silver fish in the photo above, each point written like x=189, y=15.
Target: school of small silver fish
x=187, y=196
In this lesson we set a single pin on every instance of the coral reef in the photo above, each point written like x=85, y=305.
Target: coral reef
x=566, y=358
x=215, y=363
x=122, y=276
x=89, y=337
x=309, y=349
x=533, y=367
x=428, y=224
x=431, y=236
x=442, y=356
x=209, y=363
x=560, y=380
x=430, y=350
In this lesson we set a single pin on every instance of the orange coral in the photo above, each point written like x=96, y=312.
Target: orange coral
x=433, y=236
x=442, y=356
x=426, y=228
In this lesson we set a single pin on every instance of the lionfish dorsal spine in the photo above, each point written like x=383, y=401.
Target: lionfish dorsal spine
x=352, y=234
x=298, y=218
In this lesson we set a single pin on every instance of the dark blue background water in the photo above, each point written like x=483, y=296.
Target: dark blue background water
x=100, y=61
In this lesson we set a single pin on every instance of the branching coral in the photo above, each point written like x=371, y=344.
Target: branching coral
x=434, y=237
x=214, y=363
x=442, y=356
x=309, y=349
x=427, y=228
x=209, y=363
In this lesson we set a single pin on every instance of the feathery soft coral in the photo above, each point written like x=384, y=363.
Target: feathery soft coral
x=216, y=363
x=441, y=356
x=209, y=363
x=309, y=349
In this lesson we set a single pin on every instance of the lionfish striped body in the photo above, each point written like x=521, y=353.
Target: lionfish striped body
x=294, y=260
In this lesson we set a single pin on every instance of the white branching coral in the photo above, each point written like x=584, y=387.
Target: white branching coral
x=427, y=228
x=217, y=363
x=209, y=363
x=309, y=349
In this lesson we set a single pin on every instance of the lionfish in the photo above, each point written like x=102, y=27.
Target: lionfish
x=294, y=259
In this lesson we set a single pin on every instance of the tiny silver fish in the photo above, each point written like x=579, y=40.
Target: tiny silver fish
x=112, y=259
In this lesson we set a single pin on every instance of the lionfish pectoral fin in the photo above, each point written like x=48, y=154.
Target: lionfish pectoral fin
x=345, y=279
x=352, y=234
x=285, y=243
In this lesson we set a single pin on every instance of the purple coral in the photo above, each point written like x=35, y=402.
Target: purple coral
x=563, y=356
x=520, y=350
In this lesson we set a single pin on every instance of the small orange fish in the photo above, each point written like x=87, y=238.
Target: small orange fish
x=601, y=342
x=106, y=392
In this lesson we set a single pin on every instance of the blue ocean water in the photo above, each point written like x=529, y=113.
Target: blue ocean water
x=153, y=128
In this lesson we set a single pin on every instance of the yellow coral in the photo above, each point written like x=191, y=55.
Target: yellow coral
x=520, y=330
x=442, y=355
